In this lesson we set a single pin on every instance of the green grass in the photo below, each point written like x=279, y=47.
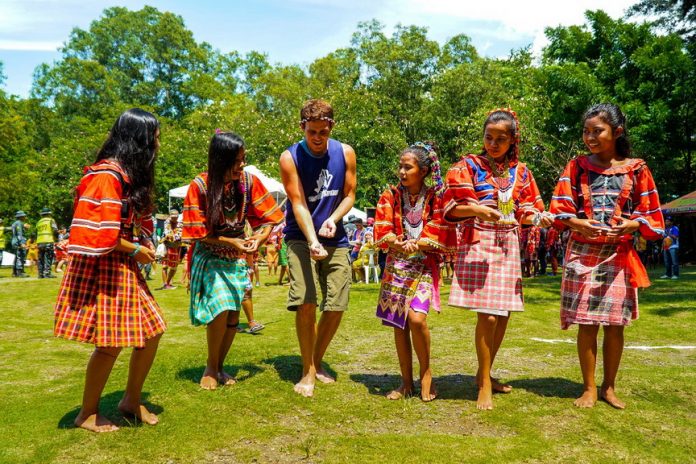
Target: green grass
x=260, y=419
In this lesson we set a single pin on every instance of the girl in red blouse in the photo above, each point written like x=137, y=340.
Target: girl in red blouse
x=410, y=226
x=603, y=198
x=217, y=207
x=493, y=193
x=103, y=298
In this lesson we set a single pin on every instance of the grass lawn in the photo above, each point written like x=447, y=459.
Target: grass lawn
x=261, y=419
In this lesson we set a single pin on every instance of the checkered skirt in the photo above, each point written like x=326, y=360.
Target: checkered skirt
x=104, y=300
x=218, y=284
x=596, y=289
x=487, y=272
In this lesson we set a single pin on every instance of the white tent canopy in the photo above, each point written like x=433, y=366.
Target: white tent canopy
x=357, y=213
x=272, y=185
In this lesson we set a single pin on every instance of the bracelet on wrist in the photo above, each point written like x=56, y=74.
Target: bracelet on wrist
x=134, y=252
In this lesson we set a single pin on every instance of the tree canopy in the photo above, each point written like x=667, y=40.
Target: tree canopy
x=388, y=90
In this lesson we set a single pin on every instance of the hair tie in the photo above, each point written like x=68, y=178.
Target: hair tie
x=218, y=131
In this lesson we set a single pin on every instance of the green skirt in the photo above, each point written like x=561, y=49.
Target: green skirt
x=217, y=284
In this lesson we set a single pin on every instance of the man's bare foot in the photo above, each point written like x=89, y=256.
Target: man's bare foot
x=138, y=412
x=587, y=399
x=428, y=392
x=485, y=397
x=305, y=386
x=209, y=380
x=607, y=394
x=95, y=423
x=324, y=377
x=401, y=392
x=226, y=379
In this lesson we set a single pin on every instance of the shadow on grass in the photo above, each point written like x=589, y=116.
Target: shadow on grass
x=449, y=387
x=194, y=374
x=108, y=407
x=549, y=387
x=289, y=367
x=671, y=310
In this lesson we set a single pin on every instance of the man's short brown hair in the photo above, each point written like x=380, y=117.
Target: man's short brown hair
x=315, y=110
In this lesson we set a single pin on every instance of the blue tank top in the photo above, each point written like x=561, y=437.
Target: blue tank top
x=322, y=180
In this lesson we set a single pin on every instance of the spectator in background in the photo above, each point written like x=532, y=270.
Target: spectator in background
x=171, y=240
x=670, y=248
x=19, y=244
x=47, y=232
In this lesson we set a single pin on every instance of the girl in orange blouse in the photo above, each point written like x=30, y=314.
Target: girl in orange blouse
x=103, y=298
x=603, y=198
x=410, y=226
x=216, y=208
x=493, y=193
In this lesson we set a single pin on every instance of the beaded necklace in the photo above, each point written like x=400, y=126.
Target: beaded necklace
x=413, y=213
x=504, y=182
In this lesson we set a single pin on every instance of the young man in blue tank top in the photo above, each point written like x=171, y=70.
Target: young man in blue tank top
x=319, y=178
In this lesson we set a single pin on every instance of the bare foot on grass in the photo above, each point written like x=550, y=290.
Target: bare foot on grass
x=400, y=393
x=607, y=394
x=498, y=387
x=485, y=397
x=226, y=379
x=324, y=377
x=95, y=423
x=428, y=392
x=138, y=412
x=209, y=380
x=587, y=399
x=305, y=386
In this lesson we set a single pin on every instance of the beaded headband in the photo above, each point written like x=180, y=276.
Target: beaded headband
x=436, y=173
x=323, y=118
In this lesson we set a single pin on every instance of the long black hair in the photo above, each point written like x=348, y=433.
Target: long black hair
x=612, y=115
x=225, y=148
x=132, y=142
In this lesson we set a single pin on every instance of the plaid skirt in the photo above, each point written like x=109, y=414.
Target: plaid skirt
x=487, y=273
x=104, y=300
x=596, y=288
x=218, y=283
x=408, y=284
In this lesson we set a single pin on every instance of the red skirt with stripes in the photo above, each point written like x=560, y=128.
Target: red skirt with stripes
x=487, y=273
x=104, y=300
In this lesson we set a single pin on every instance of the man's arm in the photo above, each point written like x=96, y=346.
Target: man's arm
x=293, y=189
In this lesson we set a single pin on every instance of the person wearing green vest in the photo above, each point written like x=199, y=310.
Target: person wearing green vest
x=19, y=244
x=2, y=237
x=46, y=230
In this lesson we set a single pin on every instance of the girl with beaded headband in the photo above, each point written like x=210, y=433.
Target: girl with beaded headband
x=410, y=226
x=491, y=194
x=217, y=206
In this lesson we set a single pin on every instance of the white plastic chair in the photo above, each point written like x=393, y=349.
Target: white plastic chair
x=371, y=266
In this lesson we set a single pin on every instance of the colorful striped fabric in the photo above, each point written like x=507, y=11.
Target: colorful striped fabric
x=389, y=221
x=99, y=204
x=260, y=206
x=588, y=191
x=469, y=182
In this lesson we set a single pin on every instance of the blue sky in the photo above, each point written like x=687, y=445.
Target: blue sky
x=289, y=31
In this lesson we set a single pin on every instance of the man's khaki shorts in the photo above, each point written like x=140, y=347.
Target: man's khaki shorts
x=332, y=275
